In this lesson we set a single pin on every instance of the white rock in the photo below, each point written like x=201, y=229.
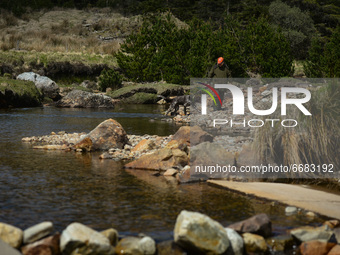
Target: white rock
x=236, y=241
x=290, y=210
x=82, y=239
x=198, y=232
x=147, y=245
x=37, y=232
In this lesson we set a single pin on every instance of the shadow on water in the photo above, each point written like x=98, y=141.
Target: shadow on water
x=65, y=187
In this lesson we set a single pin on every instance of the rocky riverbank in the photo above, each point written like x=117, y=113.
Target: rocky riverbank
x=194, y=233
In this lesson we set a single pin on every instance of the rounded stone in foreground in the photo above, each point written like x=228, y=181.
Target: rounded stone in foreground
x=84, y=240
x=196, y=232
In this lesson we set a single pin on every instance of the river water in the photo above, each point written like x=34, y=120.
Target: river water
x=64, y=187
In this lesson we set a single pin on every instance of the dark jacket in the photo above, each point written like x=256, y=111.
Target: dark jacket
x=219, y=72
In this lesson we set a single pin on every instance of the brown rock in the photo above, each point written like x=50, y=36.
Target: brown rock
x=108, y=134
x=162, y=159
x=259, y=224
x=192, y=135
x=177, y=144
x=335, y=250
x=316, y=247
x=254, y=243
x=332, y=223
x=85, y=144
x=169, y=248
x=144, y=145
x=170, y=172
x=46, y=246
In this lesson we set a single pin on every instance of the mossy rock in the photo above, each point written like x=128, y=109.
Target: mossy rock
x=16, y=93
x=140, y=98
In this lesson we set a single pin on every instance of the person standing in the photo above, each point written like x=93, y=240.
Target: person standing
x=220, y=70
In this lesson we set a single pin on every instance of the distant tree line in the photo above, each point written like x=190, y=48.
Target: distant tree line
x=163, y=51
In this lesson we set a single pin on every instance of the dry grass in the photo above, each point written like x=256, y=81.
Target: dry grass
x=98, y=31
x=314, y=141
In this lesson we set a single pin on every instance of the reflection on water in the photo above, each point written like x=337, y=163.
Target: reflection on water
x=64, y=187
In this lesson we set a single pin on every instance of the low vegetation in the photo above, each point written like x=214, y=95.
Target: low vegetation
x=314, y=141
x=15, y=93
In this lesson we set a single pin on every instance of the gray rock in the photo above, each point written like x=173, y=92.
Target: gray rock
x=6, y=249
x=147, y=245
x=48, y=87
x=236, y=241
x=210, y=154
x=11, y=235
x=196, y=232
x=307, y=233
x=89, y=85
x=83, y=99
x=37, y=232
x=259, y=224
x=84, y=240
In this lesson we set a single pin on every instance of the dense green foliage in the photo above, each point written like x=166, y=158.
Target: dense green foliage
x=163, y=51
x=297, y=26
x=110, y=79
x=324, y=58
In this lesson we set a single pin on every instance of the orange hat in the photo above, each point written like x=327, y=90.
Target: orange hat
x=220, y=60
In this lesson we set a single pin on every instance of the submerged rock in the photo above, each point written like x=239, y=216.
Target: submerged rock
x=198, y=233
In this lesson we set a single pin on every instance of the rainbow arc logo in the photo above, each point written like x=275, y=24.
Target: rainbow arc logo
x=209, y=93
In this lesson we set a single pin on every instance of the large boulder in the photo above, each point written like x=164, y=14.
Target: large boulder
x=83, y=99
x=81, y=239
x=108, y=134
x=48, y=87
x=259, y=224
x=198, y=233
